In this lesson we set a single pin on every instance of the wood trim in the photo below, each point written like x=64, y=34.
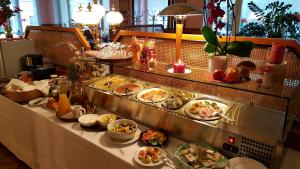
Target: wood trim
x=76, y=31
x=82, y=39
x=192, y=37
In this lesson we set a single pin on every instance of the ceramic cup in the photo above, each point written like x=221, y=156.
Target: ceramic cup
x=77, y=111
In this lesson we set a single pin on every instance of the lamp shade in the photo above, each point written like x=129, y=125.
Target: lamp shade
x=114, y=17
x=181, y=9
x=90, y=17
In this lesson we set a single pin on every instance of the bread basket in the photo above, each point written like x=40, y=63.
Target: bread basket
x=23, y=96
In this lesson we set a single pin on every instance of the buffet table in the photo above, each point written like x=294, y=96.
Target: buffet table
x=37, y=137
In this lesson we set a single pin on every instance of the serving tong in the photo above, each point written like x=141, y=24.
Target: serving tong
x=169, y=157
x=218, y=113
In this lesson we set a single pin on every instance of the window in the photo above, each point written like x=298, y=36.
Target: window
x=248, y=16
x=146, y=11
x=26, y=17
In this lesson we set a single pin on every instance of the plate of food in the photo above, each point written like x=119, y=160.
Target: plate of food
x=110, y=83
x=152, y=137
x=205, y=109
x=128, y=89
x=183, y=95
x=149, y=156
x=153, y=95
x=172, y=103
x=122, y=129
x=177, y=99
x=199, y=156
x=124, y=142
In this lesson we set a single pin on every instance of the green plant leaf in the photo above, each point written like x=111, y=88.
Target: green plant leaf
x=210, y=48
x=210, y=36
x=242, y=49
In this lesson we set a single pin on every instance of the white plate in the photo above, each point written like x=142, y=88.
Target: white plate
x=134, y=139
x=139, y=95
x=186, y=71
x=223, y=107
x=151, y=164
x=38, y=101
x=244, y=163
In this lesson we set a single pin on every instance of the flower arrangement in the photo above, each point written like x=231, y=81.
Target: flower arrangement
x=213, y=47
x=5, y=14
x=75, y=65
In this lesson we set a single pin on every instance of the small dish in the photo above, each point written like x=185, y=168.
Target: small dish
x=122, y=129
x=88, y=120
x=105, y=119
x=150, y=163
x=152, y=137
x=244, y=163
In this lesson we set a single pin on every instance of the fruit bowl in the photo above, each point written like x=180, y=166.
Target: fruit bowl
x=122, y=129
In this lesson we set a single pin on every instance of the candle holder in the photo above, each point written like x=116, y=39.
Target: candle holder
x=180, y=12
x=178, y=68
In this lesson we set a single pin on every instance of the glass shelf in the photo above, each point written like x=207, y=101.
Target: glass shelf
x=283, y=89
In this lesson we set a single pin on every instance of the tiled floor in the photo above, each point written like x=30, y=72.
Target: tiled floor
x=9, y=161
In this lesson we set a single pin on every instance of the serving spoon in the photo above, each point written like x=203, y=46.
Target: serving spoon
x=222, y=115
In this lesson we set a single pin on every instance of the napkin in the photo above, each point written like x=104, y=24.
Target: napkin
x=19, y=85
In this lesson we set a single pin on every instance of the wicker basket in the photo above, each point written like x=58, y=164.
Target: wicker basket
x=23, y=96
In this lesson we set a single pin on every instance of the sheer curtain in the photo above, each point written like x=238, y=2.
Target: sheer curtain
x=28, y=15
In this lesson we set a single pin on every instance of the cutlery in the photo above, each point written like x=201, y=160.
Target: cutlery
x=222, y=115
x=39, y=101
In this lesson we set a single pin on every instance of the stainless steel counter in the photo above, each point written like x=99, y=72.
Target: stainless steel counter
x=257, y=131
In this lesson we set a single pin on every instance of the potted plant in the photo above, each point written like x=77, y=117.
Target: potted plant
x=5, y=14
x=218, y=53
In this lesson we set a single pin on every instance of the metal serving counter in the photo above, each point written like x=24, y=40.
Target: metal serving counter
x=256, y=132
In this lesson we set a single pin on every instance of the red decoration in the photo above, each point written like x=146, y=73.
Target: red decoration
x=179, y=67
x=216, y=13
x=148, y=51
x=277, y=53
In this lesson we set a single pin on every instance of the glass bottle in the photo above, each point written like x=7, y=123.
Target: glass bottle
x=77, y=94
x=64, y=106
x=148, y=51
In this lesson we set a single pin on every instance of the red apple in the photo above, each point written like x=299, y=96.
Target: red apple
x=218, y=74
x=232, y=75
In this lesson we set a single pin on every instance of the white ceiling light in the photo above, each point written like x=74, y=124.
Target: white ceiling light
x=114, y=17
x=91, y=16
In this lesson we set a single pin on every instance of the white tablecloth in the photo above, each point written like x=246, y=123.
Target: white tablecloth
x=37, y=137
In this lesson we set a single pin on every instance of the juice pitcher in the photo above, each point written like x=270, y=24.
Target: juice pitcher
x=64, y=106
